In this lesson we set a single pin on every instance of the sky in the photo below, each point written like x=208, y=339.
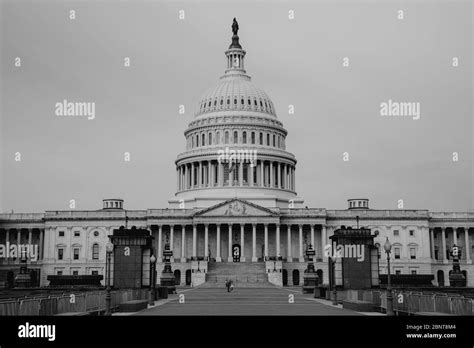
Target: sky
x=296, y=61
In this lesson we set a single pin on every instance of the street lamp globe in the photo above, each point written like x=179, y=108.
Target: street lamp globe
x=109, y=247
x=387, y=246
x=152, y=259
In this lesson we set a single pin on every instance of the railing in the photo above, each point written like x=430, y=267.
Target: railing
x=93, y=301
x=411, y=302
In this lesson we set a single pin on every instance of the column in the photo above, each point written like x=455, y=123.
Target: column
x=266, y=241
x=192, y=175
x=443, y=241
x=241, y=174
x=209, y=174
x=278, y=240
x=251, y=168
x=194, y=241
x=271, y=174
x=279, y=176
x=262, y=176
x=183, y=243
x=229, y=258
x=206, y=241
x=300, y=240
x=254, y=242
x=288, y=231
x=455, y=237
x=41, y=239
x=160, y=253
x=242, y=241
x=177, y=178
x=468, y=247
x=323, y=242
x=185, y=186
x=432, y=246
x=218, y=242
x=7, y=241
x=312, y=237
x=200, y=176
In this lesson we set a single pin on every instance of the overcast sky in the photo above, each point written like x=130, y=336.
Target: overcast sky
x=295, y=61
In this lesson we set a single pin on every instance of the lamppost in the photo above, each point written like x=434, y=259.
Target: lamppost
x=109, y=248
x=151, y=300
x=388, y=248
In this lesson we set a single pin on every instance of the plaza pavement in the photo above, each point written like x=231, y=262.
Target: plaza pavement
x=244, y=301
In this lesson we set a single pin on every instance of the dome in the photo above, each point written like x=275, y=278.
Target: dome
x=236, y=94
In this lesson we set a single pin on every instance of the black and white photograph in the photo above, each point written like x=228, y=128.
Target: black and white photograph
x=190, y=164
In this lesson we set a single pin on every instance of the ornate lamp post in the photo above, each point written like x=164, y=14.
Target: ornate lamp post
x=388, y=248
x=109, y=250
x=151, y=300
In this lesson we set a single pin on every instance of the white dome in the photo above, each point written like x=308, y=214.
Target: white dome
x=236, y=93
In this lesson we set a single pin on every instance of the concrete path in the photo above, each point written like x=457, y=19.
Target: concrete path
x=244, y=301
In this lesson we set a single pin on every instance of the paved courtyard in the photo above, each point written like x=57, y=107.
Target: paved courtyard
x=244, y=301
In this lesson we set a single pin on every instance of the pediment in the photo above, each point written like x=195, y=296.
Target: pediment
x=236, y=207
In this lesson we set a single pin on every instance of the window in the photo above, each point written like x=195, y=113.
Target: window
x=210, y=138
x=253, y=137
x=222, y=101
x=197, y=140
x=242, y=101
x=249, y=102
x=268, y=139
x=77, y=234
x=261, y=138
x=95, y=251
x=60, y=253
x=274, y=140
x=76, y=253
x=396, y=232
x=412, y=233
x=75, y=273
x=228, y=101
x=397, y=253
x=95, y=272
x=244, y=137
x=226, y=137
x=235, y=101
x=203, y=137
x=96, y=234
x=59, y=273
x=61, y=233
x=413, y=271
x=218, y=137
x=236, y=137
x=412, y=253
x=397, y=271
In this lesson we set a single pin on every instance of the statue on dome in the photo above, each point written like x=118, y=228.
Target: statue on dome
x=235, y=27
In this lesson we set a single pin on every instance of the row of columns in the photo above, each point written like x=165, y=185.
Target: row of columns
x=242, y=241
x=444, y=249
x=210, y=173
x=17, y=240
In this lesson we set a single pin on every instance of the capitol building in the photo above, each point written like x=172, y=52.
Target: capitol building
x=237, y=201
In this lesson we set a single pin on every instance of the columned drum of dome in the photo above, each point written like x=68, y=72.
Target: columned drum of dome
x=235, y=146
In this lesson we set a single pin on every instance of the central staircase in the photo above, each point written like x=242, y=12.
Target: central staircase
x=243, y=274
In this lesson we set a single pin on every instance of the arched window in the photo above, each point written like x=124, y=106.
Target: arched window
x=215, y=102
x=210, y=138
x=253, y=137
x=192, y=141
x=255, y=102
x=226, y=137
x=197, y=140
x=209, y=104
x=274, y=140
x=218, y=137
x=249, y=102
x=244, y=137
x=268, y=139
x=242, y=101
x=261, y=138
x=261, y=105
x=228, y=101
x=222, y=101
x=236, y=137
x=279, y=142
x=235, y=101
x=203, y=139
x=95, y=251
